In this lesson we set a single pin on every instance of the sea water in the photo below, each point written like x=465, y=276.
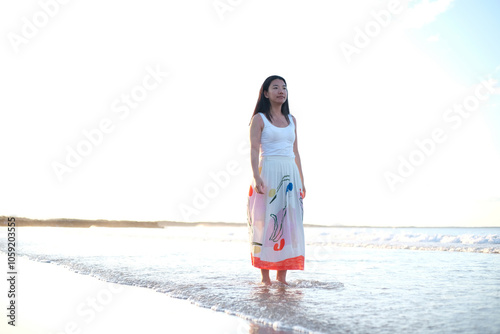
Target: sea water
x=356, y=280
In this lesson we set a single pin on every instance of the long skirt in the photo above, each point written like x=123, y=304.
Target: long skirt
x=275, y=217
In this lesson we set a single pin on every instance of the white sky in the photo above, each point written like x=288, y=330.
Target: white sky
x=354, y=118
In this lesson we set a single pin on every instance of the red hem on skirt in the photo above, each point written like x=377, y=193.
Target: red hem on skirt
x=295, y=263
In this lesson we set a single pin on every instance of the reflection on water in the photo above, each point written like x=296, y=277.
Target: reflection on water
x=285, y=304
x=256, y=329
x=276, y=296
x=277, y=301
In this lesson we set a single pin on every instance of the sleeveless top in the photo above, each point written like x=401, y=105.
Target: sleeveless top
x=276, y=140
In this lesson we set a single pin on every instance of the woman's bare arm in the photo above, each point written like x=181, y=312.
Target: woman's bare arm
x=297, y=158
x=256, y=127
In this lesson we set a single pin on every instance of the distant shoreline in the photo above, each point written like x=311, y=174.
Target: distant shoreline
x=86, y=223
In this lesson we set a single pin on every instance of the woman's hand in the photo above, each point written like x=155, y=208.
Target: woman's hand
x=259, y=185
x=303, y=191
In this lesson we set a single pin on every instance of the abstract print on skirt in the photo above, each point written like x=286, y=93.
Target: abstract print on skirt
x=275, y=217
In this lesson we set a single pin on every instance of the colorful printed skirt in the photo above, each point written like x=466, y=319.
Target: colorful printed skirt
x=275, y=217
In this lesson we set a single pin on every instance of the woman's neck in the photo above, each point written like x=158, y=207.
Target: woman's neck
x=276, y=111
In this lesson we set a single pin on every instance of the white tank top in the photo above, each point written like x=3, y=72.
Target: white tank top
x=276, y=140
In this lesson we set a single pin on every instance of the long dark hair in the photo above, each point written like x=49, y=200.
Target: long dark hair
x=264, y=106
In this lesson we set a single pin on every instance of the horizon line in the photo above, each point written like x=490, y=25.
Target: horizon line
x=85, y=223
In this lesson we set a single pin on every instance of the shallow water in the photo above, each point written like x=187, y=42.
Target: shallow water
x=357, y=280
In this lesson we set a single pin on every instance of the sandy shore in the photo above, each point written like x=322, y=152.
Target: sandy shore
x=54, y=300
x=81, y=223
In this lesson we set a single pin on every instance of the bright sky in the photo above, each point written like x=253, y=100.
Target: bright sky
x=139, y=110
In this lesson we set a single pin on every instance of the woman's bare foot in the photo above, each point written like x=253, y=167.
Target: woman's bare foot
x=266, y=280
x=281, y=276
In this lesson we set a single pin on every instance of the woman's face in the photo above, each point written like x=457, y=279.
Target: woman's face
x=277, y=92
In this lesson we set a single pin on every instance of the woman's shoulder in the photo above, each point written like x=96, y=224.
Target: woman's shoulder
x=258, y=116
x=258, y=119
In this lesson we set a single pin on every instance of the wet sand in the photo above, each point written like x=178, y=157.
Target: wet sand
x=52, y=299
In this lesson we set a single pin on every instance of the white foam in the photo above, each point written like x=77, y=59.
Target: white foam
x=414, y=239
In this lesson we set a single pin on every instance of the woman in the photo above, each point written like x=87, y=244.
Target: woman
x=275, y=209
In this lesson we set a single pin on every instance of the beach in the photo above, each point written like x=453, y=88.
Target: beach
x=198, y=279
x=53, y=299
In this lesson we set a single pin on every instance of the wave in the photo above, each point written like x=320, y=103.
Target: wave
x=453, y=240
